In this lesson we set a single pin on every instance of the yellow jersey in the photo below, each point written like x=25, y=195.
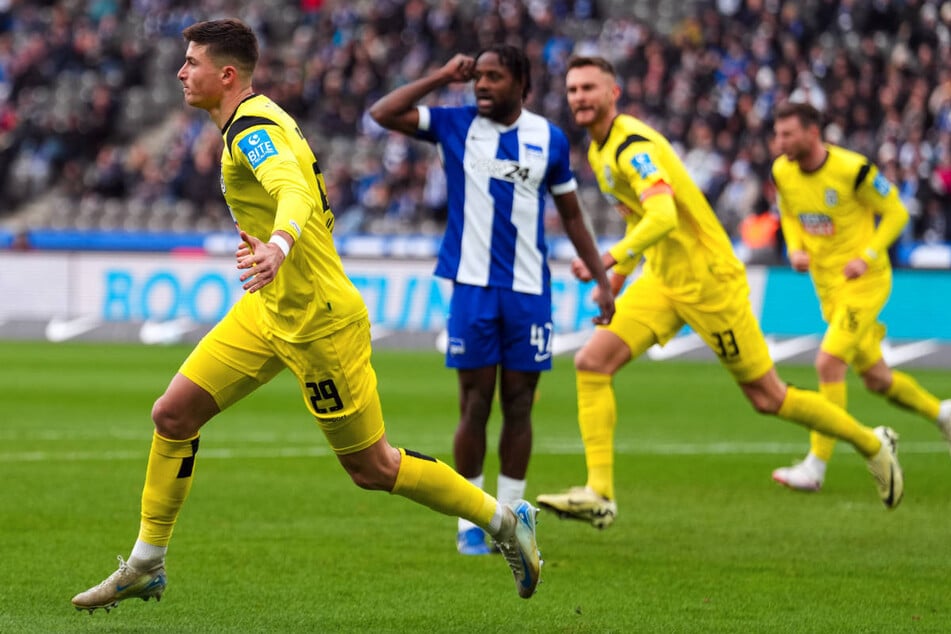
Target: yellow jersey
x=635, y=157
x=271, y=180
x=830, y=213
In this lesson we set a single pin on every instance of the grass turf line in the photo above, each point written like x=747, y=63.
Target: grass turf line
x=276, y=538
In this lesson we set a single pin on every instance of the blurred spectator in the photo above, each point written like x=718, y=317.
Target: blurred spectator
x=739, y=197
x=197, y=178
x=21, y=240
x=90, y=108
x=760, y=231
x=106, y=177
x=703, y=160
x=760, y=237
x=933, y=224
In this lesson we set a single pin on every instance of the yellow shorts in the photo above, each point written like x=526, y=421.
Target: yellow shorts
x=723, y=318
x=338, y=383
x=851, y=312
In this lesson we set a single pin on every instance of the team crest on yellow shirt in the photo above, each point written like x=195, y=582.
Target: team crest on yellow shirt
x=221, y=179
x=608, y=177
x=832, y=197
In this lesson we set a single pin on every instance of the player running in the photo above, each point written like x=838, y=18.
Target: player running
x=691, y=276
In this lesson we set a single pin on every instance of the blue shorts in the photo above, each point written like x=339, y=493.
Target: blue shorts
x=492, y=326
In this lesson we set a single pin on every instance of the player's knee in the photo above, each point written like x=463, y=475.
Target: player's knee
x=176, y=421
x=876, y=383
x=830, y=368
x=517, y=408
x=585, y=361
x=765, y=403
x=475, y=404
x=475, y=412
x=367, y=480
x=603, y=355
x=182, y=409
x=168, y=419
x=765, y=395
x=372, y=475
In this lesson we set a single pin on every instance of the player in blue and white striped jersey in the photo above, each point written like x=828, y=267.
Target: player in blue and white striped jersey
x=501, y=163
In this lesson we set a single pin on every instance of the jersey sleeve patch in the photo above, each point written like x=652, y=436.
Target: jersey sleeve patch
x=257, y=147
x=881, y=185
x=643, y=164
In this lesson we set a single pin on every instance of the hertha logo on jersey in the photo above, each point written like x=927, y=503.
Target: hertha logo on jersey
x=832, y=197
x=457, y=345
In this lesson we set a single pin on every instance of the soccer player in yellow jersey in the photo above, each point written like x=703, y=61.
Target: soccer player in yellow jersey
x=839, y=216
x=300, y=312
x=691, y=276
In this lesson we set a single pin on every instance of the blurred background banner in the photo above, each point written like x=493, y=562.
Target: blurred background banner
x=132, y=288
x=110, y=296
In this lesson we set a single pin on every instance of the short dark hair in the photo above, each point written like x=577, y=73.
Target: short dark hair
x=579, y=61
x=516, y=61
x=229, y=39
x=807, y=114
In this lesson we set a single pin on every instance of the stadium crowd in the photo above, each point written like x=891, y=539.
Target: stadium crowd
x=91, y=113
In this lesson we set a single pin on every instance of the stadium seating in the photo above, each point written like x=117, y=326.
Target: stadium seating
x=94, y=135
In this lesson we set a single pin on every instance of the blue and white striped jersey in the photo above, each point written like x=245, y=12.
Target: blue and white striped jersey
x=497, y=178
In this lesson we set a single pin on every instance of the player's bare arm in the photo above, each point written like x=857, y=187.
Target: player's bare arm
x=397, y=110
x=572, y=220
x=261, y=259
x=615, y=280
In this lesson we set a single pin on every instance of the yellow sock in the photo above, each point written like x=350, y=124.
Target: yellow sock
x=167, y=482
x=437, y=485
x=820, y=445
x=906, y=392
x=597, y=417
x=815, y=412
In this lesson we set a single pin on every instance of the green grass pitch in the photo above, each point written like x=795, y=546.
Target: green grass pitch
x=275, y=538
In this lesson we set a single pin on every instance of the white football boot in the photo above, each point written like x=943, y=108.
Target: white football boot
x=124, y=583
x=886, y=470
x=944, y=420
x=806, y=476
x=520, y=548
